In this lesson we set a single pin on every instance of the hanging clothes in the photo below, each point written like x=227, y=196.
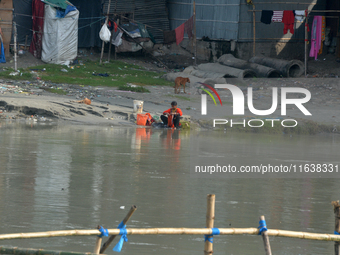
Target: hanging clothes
x=38, y=10
x=316, y=37
x=300, y=15
x=288, y=20
x=169, y=37
x=2, y=55
x=188, y=27
x=277, y=16
x=117, y=37
x=179, y=34
x=323, y=33
x=266, y=16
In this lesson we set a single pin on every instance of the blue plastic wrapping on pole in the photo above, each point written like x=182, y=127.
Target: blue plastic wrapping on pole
x=103, y=231
x=263, y=226
x=2, y=56
x=336, y=233
x=210, y=238
x=123, y=237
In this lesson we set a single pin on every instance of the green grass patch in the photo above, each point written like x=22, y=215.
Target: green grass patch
x=134, y=89
x=119, y=73
x=23, y=75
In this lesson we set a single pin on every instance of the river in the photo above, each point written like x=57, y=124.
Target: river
x=64, y=177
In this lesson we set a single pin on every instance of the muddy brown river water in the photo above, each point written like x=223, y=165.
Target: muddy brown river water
x=75, y=177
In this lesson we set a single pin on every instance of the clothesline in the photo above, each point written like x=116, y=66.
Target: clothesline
x=134, y=21
x=32, y=16
x=88, y=25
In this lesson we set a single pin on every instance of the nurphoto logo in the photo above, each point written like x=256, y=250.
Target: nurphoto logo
x=239, y=99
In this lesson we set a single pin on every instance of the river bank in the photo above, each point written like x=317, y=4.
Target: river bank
x=110, y=106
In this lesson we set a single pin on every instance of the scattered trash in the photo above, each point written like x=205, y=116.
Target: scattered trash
x=64, y=70
x=122, y=207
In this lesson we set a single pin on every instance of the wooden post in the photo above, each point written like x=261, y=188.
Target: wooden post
x=103, y=44
x=15, y=46
x=112, y=237
x=195, y=38
x=98, y=244
x=254, y=31
x=266, y=240
x=26, y=42
x=208, y=246
x=336, y=207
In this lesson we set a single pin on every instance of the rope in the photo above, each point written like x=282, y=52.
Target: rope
x=123, y=237
x=262, y=227
x=210, y=238
x=103, y=231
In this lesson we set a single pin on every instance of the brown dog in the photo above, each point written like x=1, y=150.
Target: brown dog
x=180, y=81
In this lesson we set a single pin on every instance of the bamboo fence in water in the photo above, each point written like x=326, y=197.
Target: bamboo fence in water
x=209, y=232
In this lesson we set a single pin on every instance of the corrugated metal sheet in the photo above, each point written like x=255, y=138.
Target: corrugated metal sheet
x=274, y=30
x=149, y=12
x=216, y=19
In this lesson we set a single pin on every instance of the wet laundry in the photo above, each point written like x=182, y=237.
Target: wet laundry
x=277, y=16
x=300, y=15
x=179, y=34
x=316, y=37
x=266, y=16
x=288, y=20
x=188, y=27
x=169, y=36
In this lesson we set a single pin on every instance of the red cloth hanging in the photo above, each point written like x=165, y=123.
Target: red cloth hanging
x=188, y=27
x=288, y=19
x=179, y=34
x=116, y=26
x=38, y=8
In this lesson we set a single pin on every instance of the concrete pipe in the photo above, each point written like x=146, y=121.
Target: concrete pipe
x=228, y=72
x=292, y=68
x=261, y=71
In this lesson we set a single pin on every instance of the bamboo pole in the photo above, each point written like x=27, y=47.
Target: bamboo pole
x=15, y=46
x=336, y=207
x=112, y=237
x=254, y=31
x=195, y=37
x=208, y=246
x=175, y=231
x=25, y=251
x=26, y=42
x=265, y=238
x=103, y=44
x=98, y=244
